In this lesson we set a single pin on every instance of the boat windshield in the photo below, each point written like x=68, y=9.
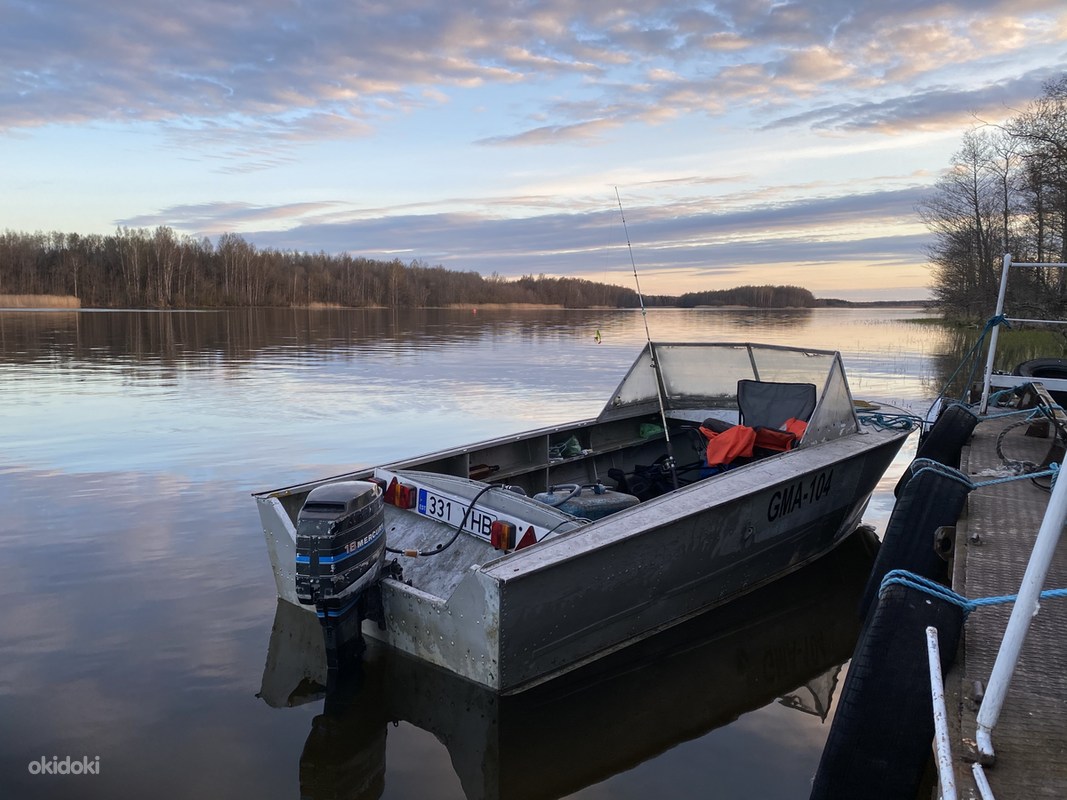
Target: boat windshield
x=705, y=376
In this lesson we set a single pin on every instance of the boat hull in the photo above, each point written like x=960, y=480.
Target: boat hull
x=528, y=616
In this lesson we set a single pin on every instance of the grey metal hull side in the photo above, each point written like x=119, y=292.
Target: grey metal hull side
x=545, y=610
x=598, y=600
x=461, y=634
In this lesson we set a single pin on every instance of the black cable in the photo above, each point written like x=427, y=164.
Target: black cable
x=580, y=520
x=442, y=547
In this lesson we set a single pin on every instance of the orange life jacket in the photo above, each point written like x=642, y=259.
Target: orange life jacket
x=735, y=442
x=739, y=441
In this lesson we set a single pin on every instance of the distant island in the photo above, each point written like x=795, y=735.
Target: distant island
x=140, y=268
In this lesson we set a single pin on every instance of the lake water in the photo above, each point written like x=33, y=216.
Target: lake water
x=139, y=603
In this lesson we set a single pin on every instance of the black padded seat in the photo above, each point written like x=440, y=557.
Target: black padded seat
x=766, y=404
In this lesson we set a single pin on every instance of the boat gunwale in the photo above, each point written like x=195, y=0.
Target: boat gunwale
x=728, y=487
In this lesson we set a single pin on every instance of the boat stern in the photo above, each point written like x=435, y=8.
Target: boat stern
x=280, y=535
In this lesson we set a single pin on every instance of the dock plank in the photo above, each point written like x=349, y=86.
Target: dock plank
x=993, y=545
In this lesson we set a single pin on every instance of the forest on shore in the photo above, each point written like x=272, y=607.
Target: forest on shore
x=159, y=268
x=1004, y=192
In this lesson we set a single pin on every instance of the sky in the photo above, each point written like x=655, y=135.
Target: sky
x=730, y=143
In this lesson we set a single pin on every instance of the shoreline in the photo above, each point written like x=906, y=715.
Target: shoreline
x=46, y=302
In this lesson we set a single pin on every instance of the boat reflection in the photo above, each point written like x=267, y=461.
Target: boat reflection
x=785, y=642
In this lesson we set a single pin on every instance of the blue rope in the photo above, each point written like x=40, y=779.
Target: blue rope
x=901, y=577
x=996, y=397
x=973, y=354
x=1053, y=470
x=1040, y=411
x=927, y=465
x=942, y=469
x=886, y=421
x=1034, y=413
x=1011, y=598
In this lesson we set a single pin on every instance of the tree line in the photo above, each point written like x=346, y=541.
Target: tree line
x=1005, y=191
x=757, y=296
x=142, y=268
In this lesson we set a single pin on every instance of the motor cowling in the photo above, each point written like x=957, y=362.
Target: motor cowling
x=340, y=542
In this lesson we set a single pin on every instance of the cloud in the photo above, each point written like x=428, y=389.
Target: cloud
x=589, y=131
x=194, y=63
x=295, y=72
x=932, y=109
x=216, y=218
x=807, y=70
x=699, y=237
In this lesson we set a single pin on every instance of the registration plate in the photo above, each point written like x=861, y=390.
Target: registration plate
x=450, y=511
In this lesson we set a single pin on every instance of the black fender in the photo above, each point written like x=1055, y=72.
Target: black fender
x=932, y=497
x=879, y=741
x=945, y=440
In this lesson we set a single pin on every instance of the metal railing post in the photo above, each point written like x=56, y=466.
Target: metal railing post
x=985, y=791
x=995, y=335
x=945, y=770
x=1019, y=623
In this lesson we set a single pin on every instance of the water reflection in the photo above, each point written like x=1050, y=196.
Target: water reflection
x=239, y=336
x=786, y=641
x=299, y=393
x=138, y=593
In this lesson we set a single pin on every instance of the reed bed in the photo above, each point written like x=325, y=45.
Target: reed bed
x=39, y=301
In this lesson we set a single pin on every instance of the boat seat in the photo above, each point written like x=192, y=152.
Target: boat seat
x=768, y=404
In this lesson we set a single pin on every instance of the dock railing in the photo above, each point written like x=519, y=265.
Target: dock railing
x=942, y=741
x=1024, y=610
x=1026, y=604
x=1004, y=381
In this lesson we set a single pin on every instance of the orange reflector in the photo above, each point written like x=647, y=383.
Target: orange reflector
x=400, y=495
x=527, y=539
x=502, y=535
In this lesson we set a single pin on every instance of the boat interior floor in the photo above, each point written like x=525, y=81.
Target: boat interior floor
x=636, y=466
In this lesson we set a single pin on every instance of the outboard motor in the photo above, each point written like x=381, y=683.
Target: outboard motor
x=340, y=550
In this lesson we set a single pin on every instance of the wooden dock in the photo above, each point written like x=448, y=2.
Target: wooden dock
x=994, y=539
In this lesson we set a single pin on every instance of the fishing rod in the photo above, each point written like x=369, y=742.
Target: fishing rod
x=660, y=390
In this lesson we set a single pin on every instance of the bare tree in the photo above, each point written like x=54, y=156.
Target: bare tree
x=962, y=213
